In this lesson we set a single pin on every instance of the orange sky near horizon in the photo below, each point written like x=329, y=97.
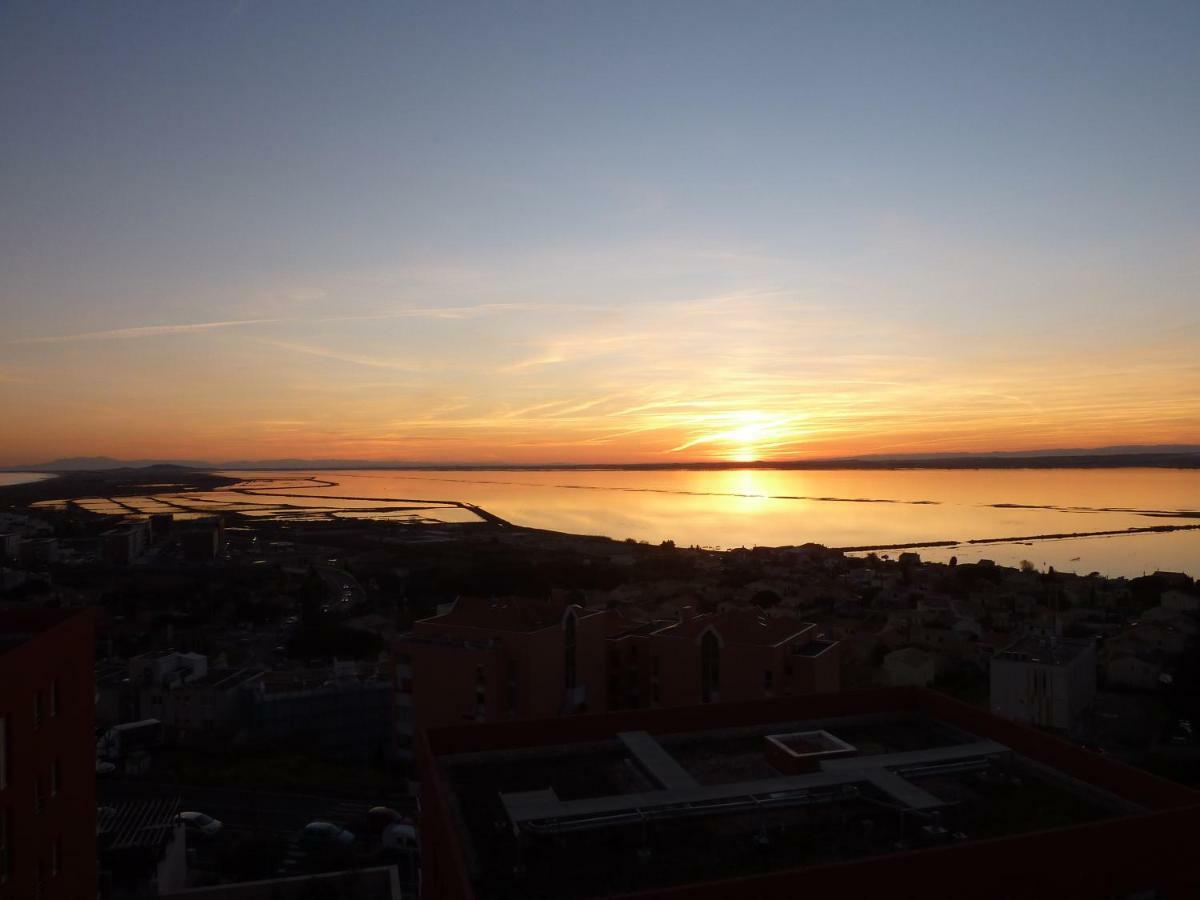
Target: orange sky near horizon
x=741, y=378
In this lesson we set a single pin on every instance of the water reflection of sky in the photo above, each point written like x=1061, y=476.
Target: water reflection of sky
x=838, y=508
x=766, y=507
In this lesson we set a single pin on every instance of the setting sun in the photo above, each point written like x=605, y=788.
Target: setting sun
x=742, y=436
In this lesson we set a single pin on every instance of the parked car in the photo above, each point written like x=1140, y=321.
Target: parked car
x=380, y=817
x=197, y=823
x=400, y=836
x=325, y=834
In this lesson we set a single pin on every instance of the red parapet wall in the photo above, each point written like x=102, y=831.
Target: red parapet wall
x=1113, y=859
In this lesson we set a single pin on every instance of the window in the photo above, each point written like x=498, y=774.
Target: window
x=39, y=795
x=37, y=708
x=54, y=698
x=55, y=777
x=3, y=753
x=768, y=680
x=55, y=856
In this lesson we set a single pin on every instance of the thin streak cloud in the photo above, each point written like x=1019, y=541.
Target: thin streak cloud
x=149, y=331
x=353, y=358
x=143, y=331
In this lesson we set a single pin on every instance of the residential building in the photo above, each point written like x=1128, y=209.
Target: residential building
x=142, y=848
x=160, y=526
x=47, y=754
x=1139, y=673
x=1181, y=601
x=125, y=543
x=116, y=701
x=343, y=713
x=200, y=540
x=716, y=657
x=152, y=675
x=181, y=692
x=504, y=658
x=38, y=551
x=190, y=699
x=1044, y=680
x=1177, y=580
x=899, y=792
x=512, y=658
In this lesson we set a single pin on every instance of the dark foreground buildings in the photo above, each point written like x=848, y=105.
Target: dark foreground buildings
x=497, y=659
x=898, y=793
x=47, y=754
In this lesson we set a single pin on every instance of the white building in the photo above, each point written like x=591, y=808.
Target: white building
x=1044, y=681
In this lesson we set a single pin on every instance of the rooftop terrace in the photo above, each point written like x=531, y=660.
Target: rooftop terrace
x=1045, y=650
x=637, y=811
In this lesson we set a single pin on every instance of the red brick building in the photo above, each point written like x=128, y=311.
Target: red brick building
x=900, y=793
x=47, y=754
x=488, y=660
x=714, y=657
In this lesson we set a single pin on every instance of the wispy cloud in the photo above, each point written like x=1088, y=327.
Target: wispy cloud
x=150, y=331
x=143, y=331
x=374, y=362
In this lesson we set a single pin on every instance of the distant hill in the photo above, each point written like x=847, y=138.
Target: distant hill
x=1122, y=450
x=1160, y=456
x=103, y=463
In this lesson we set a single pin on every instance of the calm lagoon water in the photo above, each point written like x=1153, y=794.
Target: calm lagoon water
x=837, y=508
x=7, y=478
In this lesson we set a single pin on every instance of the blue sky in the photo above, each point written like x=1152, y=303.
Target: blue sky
x=728, y=213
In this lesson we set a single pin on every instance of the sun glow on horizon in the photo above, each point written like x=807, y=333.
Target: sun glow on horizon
x=744, y=435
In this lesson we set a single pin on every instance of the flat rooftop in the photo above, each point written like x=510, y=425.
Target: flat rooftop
x=1044, y=650
x=639, y=811
x=814, y=647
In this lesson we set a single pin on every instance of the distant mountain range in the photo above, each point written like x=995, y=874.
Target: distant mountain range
x=1164, y=455
x=1120, y=450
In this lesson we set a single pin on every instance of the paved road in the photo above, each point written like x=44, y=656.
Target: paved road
x=344, y=586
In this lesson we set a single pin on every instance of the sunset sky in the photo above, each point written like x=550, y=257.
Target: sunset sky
x=596, y=232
